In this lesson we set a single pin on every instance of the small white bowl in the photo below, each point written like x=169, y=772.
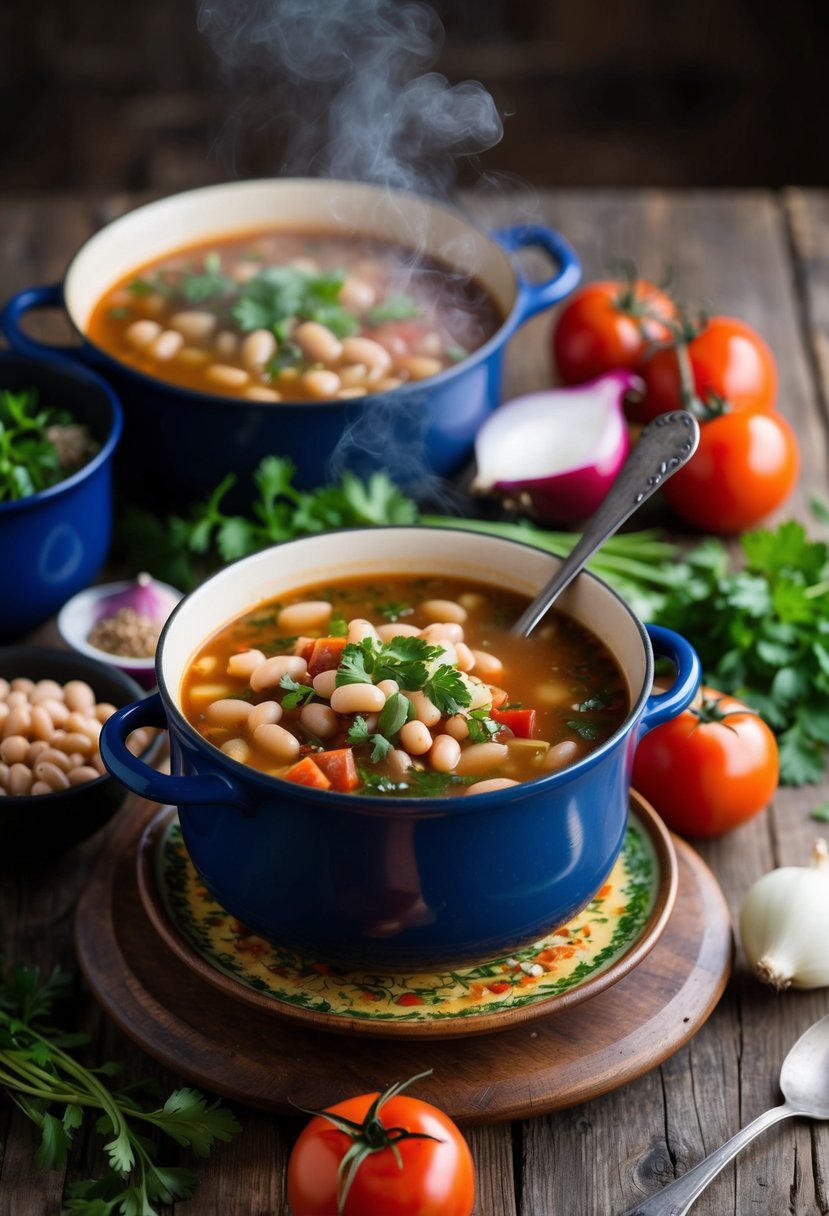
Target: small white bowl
x=78, y=616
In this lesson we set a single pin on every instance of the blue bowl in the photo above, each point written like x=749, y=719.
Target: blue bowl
x=394, y=883
x=190, y=440
x=55, y=542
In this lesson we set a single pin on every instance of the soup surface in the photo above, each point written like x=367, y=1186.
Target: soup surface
x=404, y=687
x=275, y=316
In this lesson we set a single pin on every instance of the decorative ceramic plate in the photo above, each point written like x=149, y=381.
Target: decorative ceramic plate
x=572, y=963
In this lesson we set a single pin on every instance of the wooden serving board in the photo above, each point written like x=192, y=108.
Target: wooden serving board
x=247, y=1055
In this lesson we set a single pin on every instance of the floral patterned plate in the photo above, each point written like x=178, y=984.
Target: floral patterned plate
x=572, y=963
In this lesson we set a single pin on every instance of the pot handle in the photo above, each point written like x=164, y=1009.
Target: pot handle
x=32, y=298
x=661, y=706
x=145, y=781
x=534, y=297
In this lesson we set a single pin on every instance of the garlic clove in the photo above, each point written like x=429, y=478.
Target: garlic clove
x=556, y=453
x=778, y=920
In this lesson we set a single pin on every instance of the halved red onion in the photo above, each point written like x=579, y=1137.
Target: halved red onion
x=556, y=452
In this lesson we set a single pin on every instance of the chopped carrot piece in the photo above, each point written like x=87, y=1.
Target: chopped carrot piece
x=340, y=768
x=325, y=655
x=307, y=773
x=520, y=721
x=304, y=647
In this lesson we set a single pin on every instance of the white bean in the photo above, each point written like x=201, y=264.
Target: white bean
x=494, y=783
x=269, y=673
x=351, y=394
x=260, y=392
x=227, y=344
x=17, y=722
x=321, y=383
x=245, y=664
x=388, y=687
x=359, y=629
x=141, y=333
x=194, y=324
x=22, y=684
x=276, y=741
x=444, y=754
x=487, y=666
x=425, y=710
x=20, y=780
x=228, y=712
x=419, y=367
x=443, y=631
x=237, y=749
x=368, y=352
x=441, y=611
x=257, y=348
x=319, y=720
x=317, y=342
x=304, y=617
x=457, y=727
x=386, y=632
x=560, y=755
x=357, y=699
x=166, y=346
x=464, y=657
x=194, y=356
x=79, y=696
x=353, y=376
x=82, y=774
x=481, y=757
x=357, y=295
x=40, y=787
x=416, y=738
x=265, y=712
x=226, y=376
x=325, y=683
x=14, y=749
x=399, y=763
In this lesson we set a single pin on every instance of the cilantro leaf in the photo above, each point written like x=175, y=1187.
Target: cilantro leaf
x=393, y=308
x=356, y=663
x=585, y=728
x=359, y=733
x=296, y=694
x=481, y=726
x=446, y=689
x=187, y=1117
x=209, y=284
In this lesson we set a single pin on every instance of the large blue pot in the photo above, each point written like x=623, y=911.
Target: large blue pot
x=188, y=441
x=390, y=882
x=54, y=543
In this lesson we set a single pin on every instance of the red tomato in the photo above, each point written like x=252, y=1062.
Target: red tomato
x=746, y=465
x=729, y=361
x=709, y=769
x=609, y=325
x=437, y=1177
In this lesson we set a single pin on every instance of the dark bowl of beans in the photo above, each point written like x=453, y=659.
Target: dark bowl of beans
x=341, y=324
x=371, y=769
x=54, y=789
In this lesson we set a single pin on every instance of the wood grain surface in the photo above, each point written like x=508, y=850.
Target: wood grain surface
x=764, y=257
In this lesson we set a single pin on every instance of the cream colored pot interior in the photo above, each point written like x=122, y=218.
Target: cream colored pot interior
x=301, y=204
x=375, y=552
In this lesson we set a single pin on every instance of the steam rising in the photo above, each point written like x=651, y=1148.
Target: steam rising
x=349, y=80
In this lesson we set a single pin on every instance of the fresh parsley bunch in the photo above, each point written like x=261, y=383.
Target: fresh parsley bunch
x=58, y=1094
x=29, y=461
x=762, y=633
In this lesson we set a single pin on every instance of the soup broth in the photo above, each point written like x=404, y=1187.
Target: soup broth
x=403, y=687
x=275, y=316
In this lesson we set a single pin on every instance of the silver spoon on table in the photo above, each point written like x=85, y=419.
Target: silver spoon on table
x=804, y=1082
x=664, y=446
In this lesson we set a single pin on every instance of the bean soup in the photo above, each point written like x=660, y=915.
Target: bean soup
x=403, y=687
x=275, y=316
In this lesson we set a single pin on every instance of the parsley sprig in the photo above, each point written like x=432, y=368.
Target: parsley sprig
x=29, y=460
x=58, y=1094
x=412, y=662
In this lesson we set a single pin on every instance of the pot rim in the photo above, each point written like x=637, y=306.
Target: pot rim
x=219, y=400
x=411, y=807
x=71, y=371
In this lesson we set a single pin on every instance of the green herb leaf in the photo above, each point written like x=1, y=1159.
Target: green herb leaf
x=446, y=689
x=585, y=728
x=481, y=726
x=821, y=813
x=394, y=714
x=393, y=308
x=296, y=694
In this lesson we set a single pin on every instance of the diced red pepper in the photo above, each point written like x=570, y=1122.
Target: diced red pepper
x=326, y=655
x=520, y=721
x=306, y=772
x=340, y=768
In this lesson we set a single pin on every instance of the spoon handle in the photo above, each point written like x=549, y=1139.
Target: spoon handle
x=664, y=446
x=676, y=1198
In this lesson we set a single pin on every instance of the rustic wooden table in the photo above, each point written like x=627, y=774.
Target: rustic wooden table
x=762, y=257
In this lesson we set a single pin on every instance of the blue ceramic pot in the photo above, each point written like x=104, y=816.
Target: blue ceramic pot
x=188, y=441
x=390, y=882
x=55, y=542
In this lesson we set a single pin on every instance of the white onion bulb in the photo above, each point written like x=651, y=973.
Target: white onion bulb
x=784, y=924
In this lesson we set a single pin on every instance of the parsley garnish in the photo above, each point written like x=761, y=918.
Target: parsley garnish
x=395, y=611
x=58, y=1094
x=419, y=783
x=821, y=813
x=284, y=293
x=393, y=308
x=296, y=694
x=29, y=459
x=481, y=726
x=447, y=690
x=585, y=728
x=208, y=284
x=359, y=733
x=337, y=626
